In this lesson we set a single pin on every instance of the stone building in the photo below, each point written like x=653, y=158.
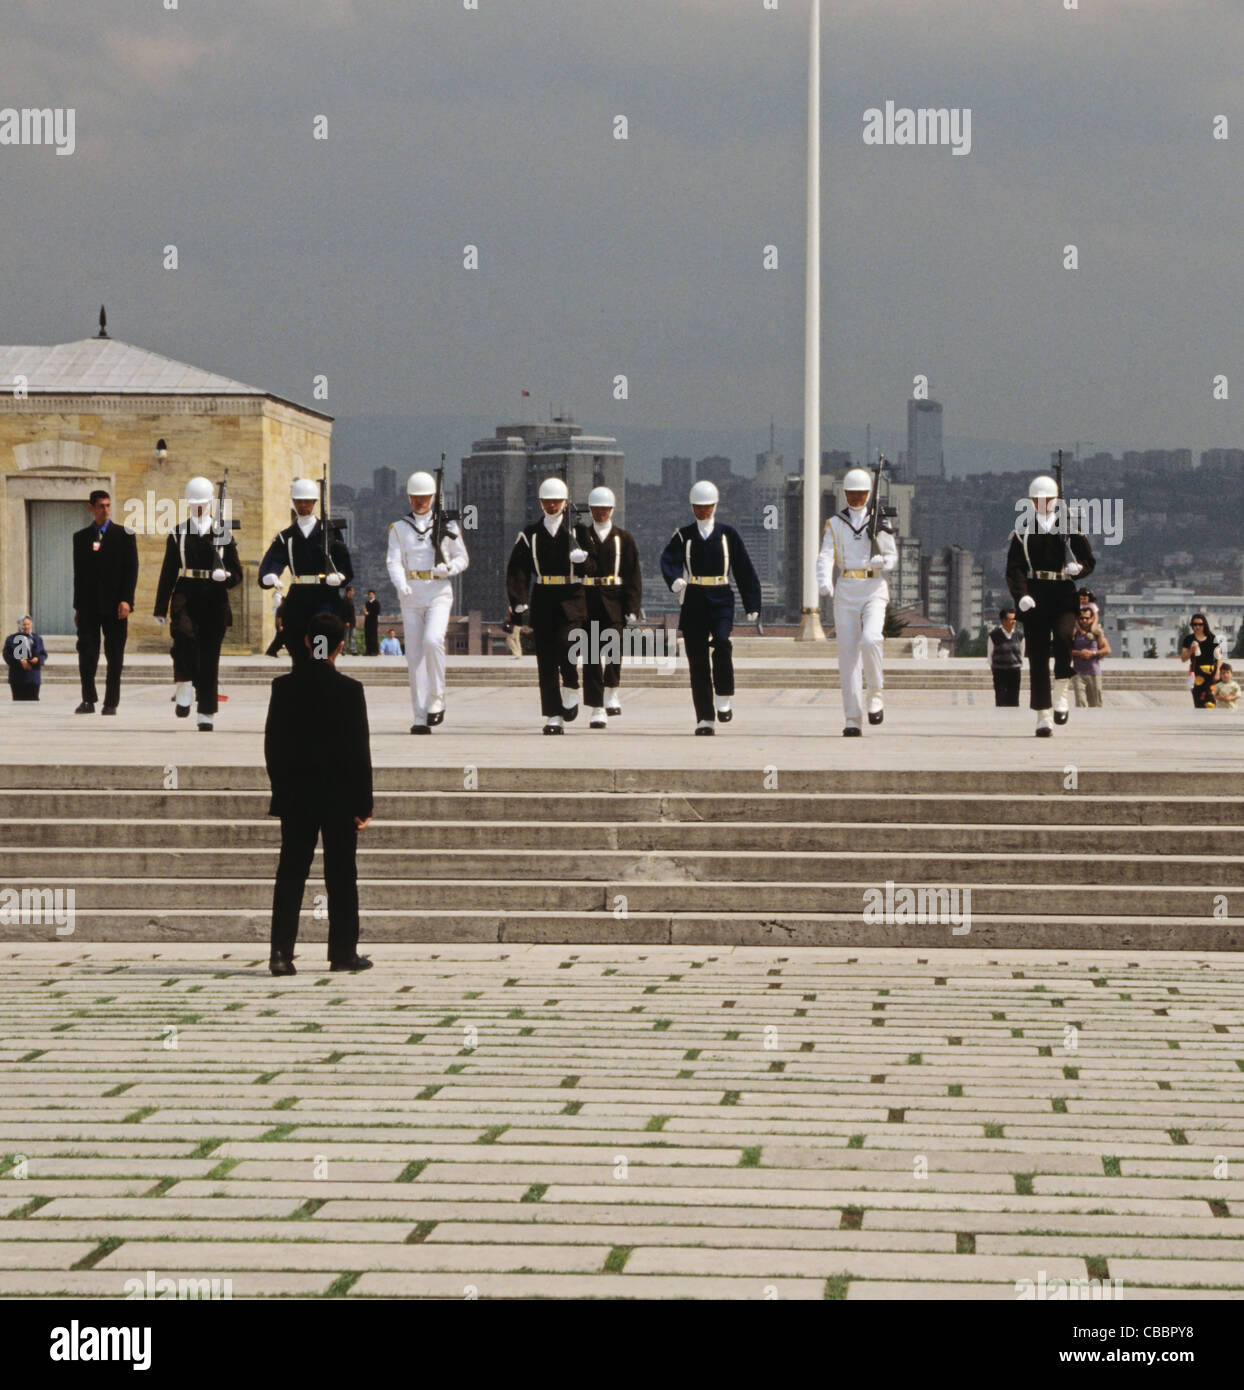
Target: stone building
x=102, y=413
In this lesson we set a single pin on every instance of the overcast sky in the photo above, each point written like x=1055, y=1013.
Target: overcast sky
x=495, y=127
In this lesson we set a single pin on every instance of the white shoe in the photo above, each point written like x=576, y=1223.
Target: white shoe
x=1061, y=711
x=705, y=726
x=613, y=705
x=1045, y=723
x=207, y=721
x=876, y=707
x=721, y=703
x=553, y=725
x=184, y=697
x=598, y=720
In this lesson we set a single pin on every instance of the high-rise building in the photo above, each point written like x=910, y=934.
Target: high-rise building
x=384, y=483
x=954, y=589
x=676, y=477
x=1223, y=458
x=501, y=479
x=924, y=441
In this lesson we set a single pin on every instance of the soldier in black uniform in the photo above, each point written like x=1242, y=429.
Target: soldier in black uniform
x=200, y=566
x=545, y=573
x=319, y=569
x=1046, y=557
x=614, y=598
x=697, y=563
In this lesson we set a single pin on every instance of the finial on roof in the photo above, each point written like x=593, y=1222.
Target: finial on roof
x=103, y=323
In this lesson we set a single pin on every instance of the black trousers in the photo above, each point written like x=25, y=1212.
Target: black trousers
x=198, y=631
x=115, y=631
x=709, y=677
x=1044, y=629
x=298, y=837
x=605, y=639
x=553, y=666
x=371, y=636
x=25, y=691
x=1006, y=685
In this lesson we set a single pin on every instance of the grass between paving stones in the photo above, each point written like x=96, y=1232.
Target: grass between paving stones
x=421, y=1232
x=535, y=1192
x=412, y=1170
x=276, y=1134
x=836, y=1287
x=136, y=1116
x=615, y=1260
x=750, y=1157
x=342, y=1284
x=852, y=1219
x=105, y=1247
x=856, y=1141
x=223, y=1169
x=1110, y=1166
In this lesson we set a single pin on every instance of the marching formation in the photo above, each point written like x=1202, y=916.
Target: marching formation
x=573, y=580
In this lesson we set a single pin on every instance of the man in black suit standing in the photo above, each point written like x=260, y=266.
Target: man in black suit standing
x=371, y=624
x=105, y=575
x=317, y=793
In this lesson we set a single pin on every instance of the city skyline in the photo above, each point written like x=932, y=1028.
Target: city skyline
x=342, y=257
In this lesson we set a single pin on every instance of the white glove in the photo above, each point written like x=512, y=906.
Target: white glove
x=268, y=581
x=334, y=580
x=826, y=592
x=1072, y=568
x=1026, y=603
x=522, y=608
x=678, y=585
x=404, y=590
x=219, y=575
x=631, y=618
x=751, y=617
x=160, y=621
x=577, y=556
x=442, y=570
x=889, y=562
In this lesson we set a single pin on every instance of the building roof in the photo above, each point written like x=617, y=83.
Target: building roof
x=109, y=367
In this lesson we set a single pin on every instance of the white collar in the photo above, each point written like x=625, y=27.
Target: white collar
x=857, y=512
x=551, y=523
x=705, y=528
x=306, y=524
x=425, y=517
x=199, y=525
x=602, y=531
x=1045, y=521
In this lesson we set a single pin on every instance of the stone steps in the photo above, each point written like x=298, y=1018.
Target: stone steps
x=658, y=856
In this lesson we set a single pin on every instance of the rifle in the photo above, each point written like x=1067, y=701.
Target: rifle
x=880, y=514
x=441, y=517
x=332, y=529
x=573, y=509
x=224, y=524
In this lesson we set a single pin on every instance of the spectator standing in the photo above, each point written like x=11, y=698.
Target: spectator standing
x=1227, y=691
x=1202, y=651
x=1006, y=658
x=371, y=624
x=25, y=656
x=391, y=646
x=1088, y=646
x=105, y=575
x=347, y=617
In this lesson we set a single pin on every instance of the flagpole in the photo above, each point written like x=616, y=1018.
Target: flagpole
x=810, y=629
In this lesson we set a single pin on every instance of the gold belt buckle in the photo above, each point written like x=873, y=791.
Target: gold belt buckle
x=420, y=574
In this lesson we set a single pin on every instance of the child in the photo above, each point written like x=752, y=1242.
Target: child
x=1227, y=691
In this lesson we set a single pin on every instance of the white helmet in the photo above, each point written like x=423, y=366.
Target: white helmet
x=554, y=490
x=199, y=491
x=857, y=480
x=304, y=490
x=1044, y=486
x=703, y=494
x=420, y=485
x=600, y=497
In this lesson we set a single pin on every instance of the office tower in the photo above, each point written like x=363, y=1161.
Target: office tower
x=924, y=441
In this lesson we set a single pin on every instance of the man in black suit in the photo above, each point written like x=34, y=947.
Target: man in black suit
x=105, y=575
x=317, y=793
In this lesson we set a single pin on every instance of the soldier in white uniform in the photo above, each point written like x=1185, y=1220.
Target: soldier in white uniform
x=860, y=596
x=421, y=571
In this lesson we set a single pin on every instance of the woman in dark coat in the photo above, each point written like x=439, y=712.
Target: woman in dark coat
x=25, y=656
x=1202, y=650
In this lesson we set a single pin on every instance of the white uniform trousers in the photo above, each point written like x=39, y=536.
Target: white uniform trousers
x=425, y=616
x=859, y=618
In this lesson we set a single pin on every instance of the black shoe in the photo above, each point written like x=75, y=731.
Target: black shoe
x=876, y=718
x=614, y=712
x=852, y=731
x=705, y=729
x=1044, y=731
x=436, y=717
x=357, y=963
x=109, y=709
x=724, y=716
x=281, y=965
x=420, y=729
x=207, y=728
x=1061, y=716
x=86, y=707
x=570, y=715
x=181, y=711
x=554, y=729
